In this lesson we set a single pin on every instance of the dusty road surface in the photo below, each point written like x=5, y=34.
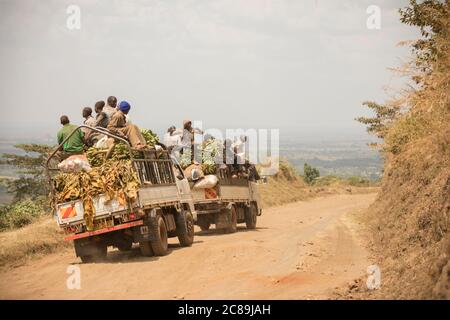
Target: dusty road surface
x=302, y=250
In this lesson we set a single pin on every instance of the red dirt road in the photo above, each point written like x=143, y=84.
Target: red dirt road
x=302, y=250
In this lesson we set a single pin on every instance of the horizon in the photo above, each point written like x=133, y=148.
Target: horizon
x=261, y=65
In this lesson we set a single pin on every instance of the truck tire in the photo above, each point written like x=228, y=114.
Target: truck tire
x=232, y=228
x=185, y=228
x=146, y=249
x=98, y=253
x=251, y=216
x=160, y=243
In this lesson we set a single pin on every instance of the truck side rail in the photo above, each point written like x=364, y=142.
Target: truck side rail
x=151, y=171
x=155, y=171
x=224, y=175
x=96, y=129
x=48, y=169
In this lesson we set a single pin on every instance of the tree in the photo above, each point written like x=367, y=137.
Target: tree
x=379, y=124
x=431, y=16
x=32, y=183
x=394, y=122
x=310, y=173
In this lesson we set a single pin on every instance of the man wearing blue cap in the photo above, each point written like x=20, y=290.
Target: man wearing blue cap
x=118, y=125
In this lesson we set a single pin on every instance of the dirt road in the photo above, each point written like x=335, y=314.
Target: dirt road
x=299, y=251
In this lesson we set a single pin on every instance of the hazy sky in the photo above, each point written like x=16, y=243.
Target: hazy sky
x=248, y=63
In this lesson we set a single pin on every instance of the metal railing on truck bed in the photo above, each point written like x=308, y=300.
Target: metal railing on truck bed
x=150, y=169
x=224, y=175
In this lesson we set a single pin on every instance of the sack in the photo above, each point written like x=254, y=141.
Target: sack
x=194, y=172
x=75, y=163
x=208, y=182
x=102, y=143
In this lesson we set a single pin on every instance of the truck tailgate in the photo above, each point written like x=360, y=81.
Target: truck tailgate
x=73, y=211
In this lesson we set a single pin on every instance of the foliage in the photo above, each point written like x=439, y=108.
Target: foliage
x=211, y=154
x=22, y=212
x=150, y=137
x=425, y=107
x=32, y=182
x=310, y=173
x=379, y=124
x=431, y=16
x=115, y=179
x=185, y=158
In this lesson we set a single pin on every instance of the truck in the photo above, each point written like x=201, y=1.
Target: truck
x=231, y=202
x=166, y=206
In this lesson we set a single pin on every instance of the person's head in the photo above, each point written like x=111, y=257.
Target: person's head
x=64, y=120
x=243, y=138
x=112, y=101
x=99, y=105
x=87, y=112
x=171, y=130
x=187, y=124
x=124, y=107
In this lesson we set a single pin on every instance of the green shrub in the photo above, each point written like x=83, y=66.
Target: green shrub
x=21, y=213
x=310, y=173
x=358, y=181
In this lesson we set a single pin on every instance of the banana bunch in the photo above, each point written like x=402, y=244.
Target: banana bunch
x=150, y=137
x=185, y=158
x=95, y=156
x=211, y=153
x=113, y=178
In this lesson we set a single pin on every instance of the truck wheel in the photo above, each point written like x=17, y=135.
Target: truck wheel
x=204, y=226
x=185, y=228
x=98, y=254
x=160, y=244
x=125, y=245
x=232, y=228
x=251, y=215
x=146, y=248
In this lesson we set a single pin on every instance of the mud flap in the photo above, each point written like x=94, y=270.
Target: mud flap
x=143, y=233
x=222, y=219
x=85, y=247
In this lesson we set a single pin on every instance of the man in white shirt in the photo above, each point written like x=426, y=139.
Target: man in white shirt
x=89, y=120
x=111, y=107
x=171, y=139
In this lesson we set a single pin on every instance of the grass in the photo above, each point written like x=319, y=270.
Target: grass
x=39, y=238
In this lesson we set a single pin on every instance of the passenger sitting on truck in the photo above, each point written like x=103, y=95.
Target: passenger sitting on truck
x=89, y=136
x=111, y=107
x=118, y=125
x=88, y=120
x=230, y=158
x=73, y=145
x=101, y=120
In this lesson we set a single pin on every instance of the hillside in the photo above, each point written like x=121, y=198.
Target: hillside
x=409, y=221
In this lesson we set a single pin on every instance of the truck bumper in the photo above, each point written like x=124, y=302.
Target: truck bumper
x=105, y=230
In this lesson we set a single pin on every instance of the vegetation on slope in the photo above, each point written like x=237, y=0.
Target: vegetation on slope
x=410, y=219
